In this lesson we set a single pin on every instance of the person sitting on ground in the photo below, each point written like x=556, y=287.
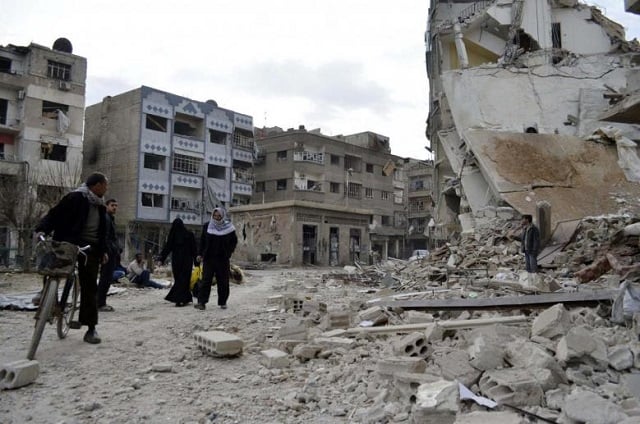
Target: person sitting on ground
x=140, y=276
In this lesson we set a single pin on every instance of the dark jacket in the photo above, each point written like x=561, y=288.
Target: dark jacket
x=212, y=246
x=531, y=240
x=67, y=219
x=113, y=248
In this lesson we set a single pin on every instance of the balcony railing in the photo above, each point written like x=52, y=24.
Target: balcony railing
x=243, y=142
x=242, y=176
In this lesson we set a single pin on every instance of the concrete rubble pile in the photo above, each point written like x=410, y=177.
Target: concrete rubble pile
x=368, y=363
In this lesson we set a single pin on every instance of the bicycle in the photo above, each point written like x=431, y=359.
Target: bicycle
x=58, y=259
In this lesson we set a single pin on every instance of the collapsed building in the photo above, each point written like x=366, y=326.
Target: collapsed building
x=530, y=101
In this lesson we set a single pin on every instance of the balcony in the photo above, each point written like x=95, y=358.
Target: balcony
x=243, y=142
x=243, y=176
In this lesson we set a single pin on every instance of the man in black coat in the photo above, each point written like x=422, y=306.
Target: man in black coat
x=80, y=218
x=113, y=250
x=530, y=243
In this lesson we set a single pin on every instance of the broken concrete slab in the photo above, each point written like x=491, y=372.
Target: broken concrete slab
x=580, y=345
x=585, y=406
x=552, y=322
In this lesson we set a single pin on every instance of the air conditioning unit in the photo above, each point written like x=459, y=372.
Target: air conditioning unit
x=21, y=94
x=64, y=85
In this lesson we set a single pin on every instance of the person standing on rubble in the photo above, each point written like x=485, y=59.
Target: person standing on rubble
x=217, y=243
x=181, y=244
x=113, y=250
x=530, y=243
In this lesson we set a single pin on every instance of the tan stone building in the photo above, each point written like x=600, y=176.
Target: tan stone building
x=168, y=157
x=42, y=95
x=322, y=200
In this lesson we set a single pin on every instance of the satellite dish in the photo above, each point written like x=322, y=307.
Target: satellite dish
x=63, y=45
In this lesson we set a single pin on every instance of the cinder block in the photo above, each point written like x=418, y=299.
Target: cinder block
x=401, y=364
x=336, y=319
x=219, y=343
x=417, y=317
x=413, y=344
x=293, y=330
x=274, y=358
x=513, y=386
x=18, y=373
x=374, y=314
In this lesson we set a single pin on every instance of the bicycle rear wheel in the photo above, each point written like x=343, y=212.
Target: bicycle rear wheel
x=49, y=295
x=68, y=305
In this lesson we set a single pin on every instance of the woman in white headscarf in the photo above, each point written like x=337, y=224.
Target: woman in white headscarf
x=217, y=243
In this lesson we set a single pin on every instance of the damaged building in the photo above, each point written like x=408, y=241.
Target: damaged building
x=324, y=200
x=530, y=101
x=168, y=157
x=42, y=95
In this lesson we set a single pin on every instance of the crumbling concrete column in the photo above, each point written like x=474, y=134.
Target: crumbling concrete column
x=543, y=216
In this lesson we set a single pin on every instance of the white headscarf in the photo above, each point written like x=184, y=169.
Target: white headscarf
x=222, y=227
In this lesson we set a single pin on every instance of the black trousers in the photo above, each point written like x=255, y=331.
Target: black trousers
x=219, y=268
x=88, y=273
x=106, y=277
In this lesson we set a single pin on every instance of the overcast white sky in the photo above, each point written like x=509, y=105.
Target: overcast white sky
x=344, y=66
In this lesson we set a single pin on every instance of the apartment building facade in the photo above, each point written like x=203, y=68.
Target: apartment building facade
x=168, y=157
x=42, y=96
x=322, y=200
x=419, y=177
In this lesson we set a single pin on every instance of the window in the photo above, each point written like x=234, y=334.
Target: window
x=50, y=109
x=353, y=163
x=156, y=123
x=50, y=151
x=215, y=171
x=281, y=155
x=152, y=200
x=2, y=157
x=385, y=220
x=217, y=137
x=5, y=65
x=354, y=191
x=184, y=128
x=59, y=71
x=186, y=164
x=370, y=168
x=259, y=186
x=335, y=160
x=334, y=187
x=152, y=161
x=368, y=193
x=384, y=195
x=4, y=107
x=281, y=184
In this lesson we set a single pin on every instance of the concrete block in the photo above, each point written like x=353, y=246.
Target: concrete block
x=484, y=354
x=588, y=407
x=417, y=317
x=405, y=385
x=552, y=322
x=400, y=364
x=413, y=344
x=525, y=354
x=293, y=303
x=293, y=330
x=620, y=357
x=434, y=333
x=305, y=352
x=436, y=402
x=582, y=345
x=455, y=366
x=333, y=342
x=219, y=343
x=274, y=358
x=513, y=386
x=18, y=373
x=310, y=307
x=374, y=314
x=493, y=417
x=336, y=319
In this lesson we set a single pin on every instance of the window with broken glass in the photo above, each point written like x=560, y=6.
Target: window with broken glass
x=50, y=109
x=50, y=151
x=58, y=70
x=152, y=161
x=155, y=123
x=186, y=164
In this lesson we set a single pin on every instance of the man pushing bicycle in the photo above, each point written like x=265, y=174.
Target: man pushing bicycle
x=80, y=218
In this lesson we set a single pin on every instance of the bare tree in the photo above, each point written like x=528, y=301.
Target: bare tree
x=26, y=196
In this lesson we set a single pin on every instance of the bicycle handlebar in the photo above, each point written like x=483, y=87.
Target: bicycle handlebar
x=83, y=249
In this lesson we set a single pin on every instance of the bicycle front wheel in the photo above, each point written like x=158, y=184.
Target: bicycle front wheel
x=68, y=306
x=49, y=295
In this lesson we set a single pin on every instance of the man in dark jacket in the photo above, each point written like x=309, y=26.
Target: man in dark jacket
x=530, y=243
x=113, y=250
x=80, y=218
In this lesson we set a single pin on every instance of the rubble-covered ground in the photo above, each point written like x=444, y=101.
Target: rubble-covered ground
x=343, y=358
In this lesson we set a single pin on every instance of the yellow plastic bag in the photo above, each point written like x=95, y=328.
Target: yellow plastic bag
x=196, y=275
